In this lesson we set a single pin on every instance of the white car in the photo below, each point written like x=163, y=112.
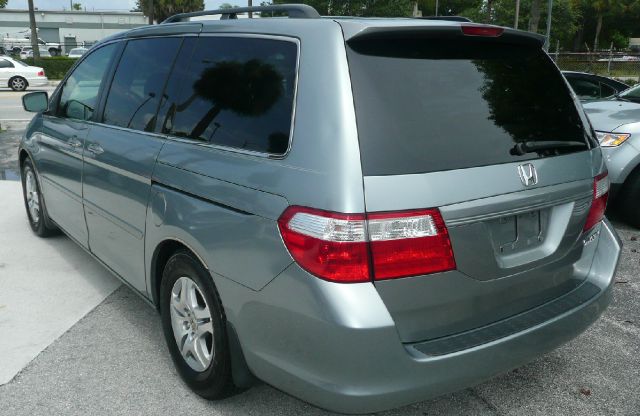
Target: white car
x=24, y=52
x=43, y=54
x=77, y=52
x=18, y=76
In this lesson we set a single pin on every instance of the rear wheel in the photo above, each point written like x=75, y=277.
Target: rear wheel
x=195, y=327
x=18, y=84
x=33, y=202
x=629, y=199
x=54, y=52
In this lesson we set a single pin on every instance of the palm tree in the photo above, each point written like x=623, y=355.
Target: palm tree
x=248, y=88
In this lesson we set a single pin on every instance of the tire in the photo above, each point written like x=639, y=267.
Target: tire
x=54, y=52
x=629, y=199
x=34, y=203
x=18, y=84
x=188, y=298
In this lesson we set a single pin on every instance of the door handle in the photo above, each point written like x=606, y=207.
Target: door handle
x=74, y=142
x=95, y=148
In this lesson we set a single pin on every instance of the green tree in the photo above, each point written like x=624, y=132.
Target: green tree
x=3, y=4
x=77, y=6
x=165, y=8
x=389, y=8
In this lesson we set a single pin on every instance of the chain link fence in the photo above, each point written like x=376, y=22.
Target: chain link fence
x=621, y=65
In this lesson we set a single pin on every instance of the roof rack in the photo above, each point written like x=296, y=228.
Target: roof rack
x=297, y=11
x=449, y=18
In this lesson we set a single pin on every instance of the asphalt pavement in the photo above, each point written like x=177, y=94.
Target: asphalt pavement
x=114, y=361
x=11, y=105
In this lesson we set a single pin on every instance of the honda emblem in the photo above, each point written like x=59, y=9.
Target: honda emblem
x=528, y=174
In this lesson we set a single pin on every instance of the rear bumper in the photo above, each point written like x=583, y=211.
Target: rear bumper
x=38, y=81
x=336, y=346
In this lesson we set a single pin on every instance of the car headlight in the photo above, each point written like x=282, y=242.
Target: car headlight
x=611, y=139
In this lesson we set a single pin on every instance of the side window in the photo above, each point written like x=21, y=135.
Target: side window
x=585, y=89
x=79, y=94
x=5, y=64
x=236, y=92
x=606, y=90
x=137, y=86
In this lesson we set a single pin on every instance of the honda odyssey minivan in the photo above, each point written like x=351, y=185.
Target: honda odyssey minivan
x=363, y=213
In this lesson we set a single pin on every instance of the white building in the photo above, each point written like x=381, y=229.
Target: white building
x=69, y=28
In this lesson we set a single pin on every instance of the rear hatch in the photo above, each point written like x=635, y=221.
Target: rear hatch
x=451, y=121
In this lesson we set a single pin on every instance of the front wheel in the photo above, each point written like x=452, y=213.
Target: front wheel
x=54, y=52
x=33, y=202
x=194, y=327
x=18, y=84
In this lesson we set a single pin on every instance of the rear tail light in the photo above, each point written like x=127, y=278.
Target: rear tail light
x=601, y=186
x=357, y=247
x=479, y=30
x=40, y=73
x=409, y=244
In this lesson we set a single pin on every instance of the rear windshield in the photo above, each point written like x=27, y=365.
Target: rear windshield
x=430, y=105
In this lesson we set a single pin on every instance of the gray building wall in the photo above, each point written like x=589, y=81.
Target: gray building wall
x=56, y=26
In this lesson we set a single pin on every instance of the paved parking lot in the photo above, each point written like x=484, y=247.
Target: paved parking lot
x=114, y=361
x=11, y=104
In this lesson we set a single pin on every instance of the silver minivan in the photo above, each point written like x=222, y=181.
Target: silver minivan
x=363, y=213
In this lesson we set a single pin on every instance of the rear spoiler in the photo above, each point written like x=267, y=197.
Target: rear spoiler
x=453, y=31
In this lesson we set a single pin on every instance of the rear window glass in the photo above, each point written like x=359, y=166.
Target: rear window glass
x=432, y=105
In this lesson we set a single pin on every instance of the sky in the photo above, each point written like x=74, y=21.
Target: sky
x=119, y=5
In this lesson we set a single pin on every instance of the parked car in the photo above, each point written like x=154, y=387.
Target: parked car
x=617, y=123
x=632, y=94
x=3, y=51
x=24, y=52
x=15, y=44
x=19, y=76
x=624, y=58
x=593, y=87
x=77, y=52
x=43, y=53
x=301, y=219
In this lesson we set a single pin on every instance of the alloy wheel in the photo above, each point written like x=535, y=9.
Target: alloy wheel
x=192, y=324
x=18, y=84
x=33, y=197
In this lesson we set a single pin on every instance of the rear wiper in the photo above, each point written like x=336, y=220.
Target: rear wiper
x=523, y=148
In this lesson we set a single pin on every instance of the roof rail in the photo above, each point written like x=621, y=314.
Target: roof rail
x=298, y=11
x=449, y=18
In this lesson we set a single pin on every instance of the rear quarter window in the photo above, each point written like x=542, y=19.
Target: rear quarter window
x=235, y=92
x=425, y=105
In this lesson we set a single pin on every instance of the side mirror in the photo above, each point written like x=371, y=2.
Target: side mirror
x=35, y=102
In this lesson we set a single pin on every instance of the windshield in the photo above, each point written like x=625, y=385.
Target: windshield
x=632, y=94
x=454, y=104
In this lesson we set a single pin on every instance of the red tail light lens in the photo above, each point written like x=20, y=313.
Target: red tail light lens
x=329, y=245
x=40, y=73
x=478, y=30
x=601, y=186
x=337, y=247
x=409, y=243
